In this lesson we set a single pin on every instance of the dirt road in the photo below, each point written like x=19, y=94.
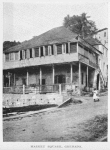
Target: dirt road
x=63, y=124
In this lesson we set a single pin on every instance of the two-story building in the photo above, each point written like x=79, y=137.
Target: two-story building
x=55, y=57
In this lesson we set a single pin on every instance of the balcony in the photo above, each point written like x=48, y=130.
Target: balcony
x=44, y=60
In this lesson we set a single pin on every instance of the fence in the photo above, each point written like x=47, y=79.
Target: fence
x=42, y=89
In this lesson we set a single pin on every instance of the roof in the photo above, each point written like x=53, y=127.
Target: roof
x=101, y=30
x=93, y=41
x=55, y=35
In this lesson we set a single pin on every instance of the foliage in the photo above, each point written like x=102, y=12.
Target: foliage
x=8, y=44
x=80, y=25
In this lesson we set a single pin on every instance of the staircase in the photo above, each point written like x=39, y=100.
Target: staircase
x=102, y=80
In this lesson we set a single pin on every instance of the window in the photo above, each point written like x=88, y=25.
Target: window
x=24, y=81
x=52, y=50
x=60, y=79
x=59, y=49
x=46, y=50
x=36, y=50
x=66, y=47
x=16, y=56
x=41, y=51
x=21, y=57
x=104, y=34
x=73, y=48
x=7, y=57
x=43, y=81
x=11, y=56
x=31, y=53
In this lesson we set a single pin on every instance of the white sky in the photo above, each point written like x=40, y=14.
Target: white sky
x=22, y=21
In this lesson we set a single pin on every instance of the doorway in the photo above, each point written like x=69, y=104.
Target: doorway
x=60, y=79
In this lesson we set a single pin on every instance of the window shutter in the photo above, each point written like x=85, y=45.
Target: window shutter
x=28, y=54
x=59, y=49
x=16, y=55
x=46, y=50
x=36, y=51
x=73, y=47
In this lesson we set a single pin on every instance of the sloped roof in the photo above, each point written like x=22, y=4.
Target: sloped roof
x=55, y=35
x=93, y=41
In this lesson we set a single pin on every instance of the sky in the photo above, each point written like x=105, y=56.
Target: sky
x=22, y=21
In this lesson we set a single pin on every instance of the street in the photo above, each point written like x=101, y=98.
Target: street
x=71, y=123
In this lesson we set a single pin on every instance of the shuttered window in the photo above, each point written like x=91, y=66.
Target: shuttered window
x=23, y=54
x=7, y=57
x=30, y=52
x=66, y=47
x=46, y=50
x=52, y=50
x=11, y=56
x=73, y=47
x=36, y=52
x=59, y=49
x=16, y=56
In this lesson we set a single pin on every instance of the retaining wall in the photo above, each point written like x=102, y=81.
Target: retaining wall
x=19, y=100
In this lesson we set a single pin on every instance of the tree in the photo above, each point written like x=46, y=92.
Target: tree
x=80, y=25
x=8, y=44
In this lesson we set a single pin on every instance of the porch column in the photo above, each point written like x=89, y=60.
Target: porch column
x=14, y=79
x=27, y=78
x=77, y=48
x=71, y=70
x=9, y=80
x=79, y=77
x=40, y=76
x=53, y=74
x=87, y=76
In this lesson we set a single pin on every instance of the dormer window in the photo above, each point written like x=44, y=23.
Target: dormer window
x=7, y=57
x=59, y=49
x=46, y=50
x=73, y=48
x=11, y=56
x=30, y=52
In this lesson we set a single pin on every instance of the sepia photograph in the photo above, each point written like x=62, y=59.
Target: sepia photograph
x=55, y=72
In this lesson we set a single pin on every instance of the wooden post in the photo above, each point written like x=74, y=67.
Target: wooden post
x=23, y=89
x=14, y=79
x=77, y=48
x=71, y=71
x=79, y=77
x=27, y=78
x=59, y=88
x=87, y=77
x=9, y=80
x=40, y=76
x=53, y=74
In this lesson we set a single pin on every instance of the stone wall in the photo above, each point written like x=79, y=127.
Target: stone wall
x=19, y=100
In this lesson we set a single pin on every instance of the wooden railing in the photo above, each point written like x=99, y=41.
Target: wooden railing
x=41, y=89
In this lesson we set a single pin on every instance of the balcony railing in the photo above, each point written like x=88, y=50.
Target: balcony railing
x=41, y=89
